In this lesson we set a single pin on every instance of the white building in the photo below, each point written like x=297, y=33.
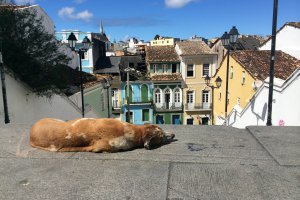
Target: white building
x=24, y=107
x=285, y=110
x=287, y=39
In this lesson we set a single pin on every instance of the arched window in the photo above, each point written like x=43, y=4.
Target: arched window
x=177, y=95
x=157, y=95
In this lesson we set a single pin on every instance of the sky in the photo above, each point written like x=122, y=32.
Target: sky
x=144, y=19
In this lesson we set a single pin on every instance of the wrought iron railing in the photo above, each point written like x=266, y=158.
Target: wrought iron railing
x=168, y=106
x=198, y=106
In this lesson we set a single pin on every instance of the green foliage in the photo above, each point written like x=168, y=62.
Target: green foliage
x=156, y=37
x=31, y=54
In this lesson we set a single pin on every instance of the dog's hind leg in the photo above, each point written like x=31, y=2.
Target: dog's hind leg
x=75, y=149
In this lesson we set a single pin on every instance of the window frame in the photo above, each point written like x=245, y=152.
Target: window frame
x=203, y=69
x=187, y=70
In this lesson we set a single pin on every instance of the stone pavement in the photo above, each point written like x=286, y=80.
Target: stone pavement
x=206, y=162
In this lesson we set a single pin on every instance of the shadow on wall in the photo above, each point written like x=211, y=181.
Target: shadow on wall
x=257, y=115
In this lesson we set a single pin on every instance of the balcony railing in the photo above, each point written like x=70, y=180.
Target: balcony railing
x=139, y=100
x=168, y=106
x=116, y=108
x=197, y=106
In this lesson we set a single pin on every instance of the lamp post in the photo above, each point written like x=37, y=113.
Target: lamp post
x=106, y=85
x=6, y=117
x=128, y=70
x=218, y=84
x=228, y=40
x=86, y=43
x=271, y=71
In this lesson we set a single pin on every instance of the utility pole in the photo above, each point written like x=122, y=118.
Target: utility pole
x=271, y=79
x=6, y=116
x=127, y=70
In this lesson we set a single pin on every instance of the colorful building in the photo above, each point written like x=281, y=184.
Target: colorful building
x=197, y=61
x=164, y=41
x=140, y=102
x=164, y=66
x=247, y=71
x=98, y=49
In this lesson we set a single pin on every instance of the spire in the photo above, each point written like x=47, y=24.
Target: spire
x=101, y=28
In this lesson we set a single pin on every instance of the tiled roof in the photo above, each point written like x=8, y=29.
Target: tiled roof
x=294, y=24
x=194, y=48
x=108, y=65
x=161, y=54
x=257, y=63
x=167, y=77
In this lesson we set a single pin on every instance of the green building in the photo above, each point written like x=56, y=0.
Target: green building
x=164, y=66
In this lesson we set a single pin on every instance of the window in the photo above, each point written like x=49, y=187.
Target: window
x=174, y=68
x=190, y=70
x=231, y=72
x=155, y=68
x=165, y=68
x=243, y=78
x=190, y=97
x=177, y=95
x=205, y=70
x=205, y=96
x=157, y=98
x=145, y=113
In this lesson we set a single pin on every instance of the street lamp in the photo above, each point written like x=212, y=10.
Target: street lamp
x=106, y=85
x=218, y=82
x=6, y=117
x=228, y=41
x=86, y=43
x=128, y=70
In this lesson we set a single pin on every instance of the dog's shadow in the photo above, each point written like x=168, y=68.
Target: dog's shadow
x=165, y=143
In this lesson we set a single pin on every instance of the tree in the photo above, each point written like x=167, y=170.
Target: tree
x=156, y=37
x=31, y=54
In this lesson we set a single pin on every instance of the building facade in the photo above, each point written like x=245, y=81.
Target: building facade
x=140, y=102
x=164, y=66
x=197, y=61
x=247, y=71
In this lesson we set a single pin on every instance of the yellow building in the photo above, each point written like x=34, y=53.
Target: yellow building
x=247, y=71
x=197, y=61
x=163, y=41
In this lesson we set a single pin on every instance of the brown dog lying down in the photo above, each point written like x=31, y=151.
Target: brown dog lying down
x=95, y=135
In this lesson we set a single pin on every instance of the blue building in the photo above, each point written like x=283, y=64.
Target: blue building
x=101, y=45
x=140, y=102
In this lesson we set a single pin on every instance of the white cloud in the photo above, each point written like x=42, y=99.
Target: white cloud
x=69, y=13
x=177, y=3
x=22, y=2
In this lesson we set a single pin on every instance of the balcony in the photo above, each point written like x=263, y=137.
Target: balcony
x=197, y=106
x=140, y=100
x=165, y=107
x=116, y=108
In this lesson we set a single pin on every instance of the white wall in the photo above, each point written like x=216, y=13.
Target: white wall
x=24, y=107
x=285, y=109
x=287, y=40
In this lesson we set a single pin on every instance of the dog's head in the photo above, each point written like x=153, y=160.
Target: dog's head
x=154, y=136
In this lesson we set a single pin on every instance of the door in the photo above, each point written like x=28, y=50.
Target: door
x=144, y=91
x=175, y=119
x=190, y=121
x=167, y=98
x=131, y=117
x=205, y=99
x=205, y=120
x=145, y=115
x=159, y=119
x=190, y=100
